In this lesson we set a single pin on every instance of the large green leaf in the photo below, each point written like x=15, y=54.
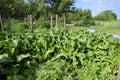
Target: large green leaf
x=22, y=56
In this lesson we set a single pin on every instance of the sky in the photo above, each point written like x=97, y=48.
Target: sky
x=97, y=6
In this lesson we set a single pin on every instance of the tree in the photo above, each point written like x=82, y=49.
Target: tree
x=82, y=17
x=20, y=9
x=43, y=10
x=86, y=18
x=106, y=15
x=32, y=7
x=60, y=7
x=7, y=9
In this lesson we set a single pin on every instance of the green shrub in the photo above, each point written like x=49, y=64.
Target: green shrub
x=42, y=23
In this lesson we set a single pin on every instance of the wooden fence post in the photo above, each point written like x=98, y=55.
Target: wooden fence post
x=118, y=76
x=9, y=24
x=1, y=22
x=51, y=22
x=56, y=26
x=31, y=23
x=64, y=20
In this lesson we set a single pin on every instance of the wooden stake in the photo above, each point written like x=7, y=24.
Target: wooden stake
x=64, y=20
x=31, y=23
x=9, y=24
x=118, y=76
x=56, y=26
x=1, y=22
x=51, y=22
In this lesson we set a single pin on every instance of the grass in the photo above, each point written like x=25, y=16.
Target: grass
x=112, y=27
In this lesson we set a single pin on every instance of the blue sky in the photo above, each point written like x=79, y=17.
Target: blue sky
x=97, y=6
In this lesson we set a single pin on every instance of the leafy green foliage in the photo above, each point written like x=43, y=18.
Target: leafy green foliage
x=42, y=23
x=13, y=8
x=82, y=17
x=59, y=54
x=106, y=16
x=61, y=6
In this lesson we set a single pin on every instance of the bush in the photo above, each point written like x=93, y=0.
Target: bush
x=42, y=23
x=106, y=16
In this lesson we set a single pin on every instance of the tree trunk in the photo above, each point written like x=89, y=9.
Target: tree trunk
x=1, y=23
x=64, y=20
x=9, y=24
x=56, y=26
x=31, y=23
x=51, y=22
